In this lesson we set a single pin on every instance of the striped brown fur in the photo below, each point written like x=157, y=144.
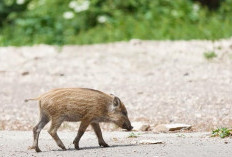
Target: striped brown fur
x=79, y=104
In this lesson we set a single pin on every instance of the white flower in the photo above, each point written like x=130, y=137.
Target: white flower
x=20, y=2
x=196, y=7
x=72, y=4
x=79, y=5
x=102, y=19
x=68, y=15
x=35, y=4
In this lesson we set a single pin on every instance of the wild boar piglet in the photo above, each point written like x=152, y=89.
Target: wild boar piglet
x=79, y=104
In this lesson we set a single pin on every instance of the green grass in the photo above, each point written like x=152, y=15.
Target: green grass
x=146, y=20
x=186, y=31
x=210, y=55
x=180, y=135
x=128, y=30
x=222, y=132
x=133, y=135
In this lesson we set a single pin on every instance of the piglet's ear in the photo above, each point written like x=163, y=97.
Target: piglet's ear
x=116, y=102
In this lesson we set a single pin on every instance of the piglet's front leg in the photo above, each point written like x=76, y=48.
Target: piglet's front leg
x=97, y=130
x=81, y=131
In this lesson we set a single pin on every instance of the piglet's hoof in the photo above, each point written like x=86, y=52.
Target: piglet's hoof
x=104, y=144
x=64, y=149
x=38, y=150
x=34, y=147
x=76, y=146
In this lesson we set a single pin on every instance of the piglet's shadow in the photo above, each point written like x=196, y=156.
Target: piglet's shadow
x=112, y=146
x=96, y=147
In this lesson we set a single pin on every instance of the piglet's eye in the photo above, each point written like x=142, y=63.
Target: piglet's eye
x=124, y=113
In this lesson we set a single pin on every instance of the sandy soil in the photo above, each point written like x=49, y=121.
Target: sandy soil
x=14, y=143
x=159, y=81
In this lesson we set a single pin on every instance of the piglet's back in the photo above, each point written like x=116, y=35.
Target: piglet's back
x=74, y=100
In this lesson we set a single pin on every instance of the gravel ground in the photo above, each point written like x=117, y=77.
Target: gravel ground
x=16, y=143
x=159, y=81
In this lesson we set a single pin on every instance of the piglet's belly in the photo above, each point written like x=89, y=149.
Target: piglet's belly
x=72, y=118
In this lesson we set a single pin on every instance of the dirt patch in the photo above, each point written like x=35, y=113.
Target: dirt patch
x=159, y=81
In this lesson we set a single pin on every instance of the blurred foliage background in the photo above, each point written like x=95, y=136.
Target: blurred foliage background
x=28, y=22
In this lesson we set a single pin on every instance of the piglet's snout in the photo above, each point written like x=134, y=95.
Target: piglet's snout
x=127, y=127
